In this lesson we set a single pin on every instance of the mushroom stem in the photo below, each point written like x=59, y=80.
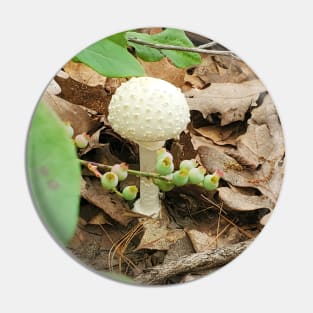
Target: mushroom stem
x=149, y=201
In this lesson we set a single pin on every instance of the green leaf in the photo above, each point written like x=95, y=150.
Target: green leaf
x=109, y=57
x=178, y=37
x=145, y=53
x=54, y=173
x=170, y=36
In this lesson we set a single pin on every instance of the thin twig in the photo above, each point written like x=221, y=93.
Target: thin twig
x=180, y=48
x=226, y=218
x=207, y=45
x=90, y=165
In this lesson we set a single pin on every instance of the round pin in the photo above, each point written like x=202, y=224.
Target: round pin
x=155, y=156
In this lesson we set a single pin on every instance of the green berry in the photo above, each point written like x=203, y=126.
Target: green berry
x=164, y=166
x=69, y=130
x=187, y=164
x=81, y=140
x=180, y=177
x=109, y=180
x=196, y=175
x=120, y=170
x=162, y=153
x=130, y=193
x=164, y=185
x=210, y=182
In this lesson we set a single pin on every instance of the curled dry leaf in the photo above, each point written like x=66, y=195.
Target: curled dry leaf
x=94, y=98
x=242, y=202
x=204, y=237
x=163, y=69
x=99, y=219
x=225, y=135
x=110, y=203
x=230, y=101
x=158, y=236
x=217, y=70
x=264, y=179
x=69, y=112
x=263, y=139
x=84, y=74
x=53, y=88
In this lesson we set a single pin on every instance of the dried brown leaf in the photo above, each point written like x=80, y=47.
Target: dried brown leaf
x=99, y=219
x=72, y=113
x=225, y=70
x=231, y=101
x=158, y=236
x=256, y=145
x=263, y=139
x=267, y=179
x=226, y=135
x=204, y=236
x=241, y=202
x=94, y=98
x=163, y=69
x=110, y=203
x=53, y=88
x=84, y=74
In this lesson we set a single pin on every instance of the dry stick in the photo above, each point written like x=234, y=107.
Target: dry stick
x=227, y=219
x=180, y=48
x=207, y=260
x=207, y=45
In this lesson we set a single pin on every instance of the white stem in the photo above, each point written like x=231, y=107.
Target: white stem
x=149, y=202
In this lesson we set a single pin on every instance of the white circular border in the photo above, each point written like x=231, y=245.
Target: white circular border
x=272, y=273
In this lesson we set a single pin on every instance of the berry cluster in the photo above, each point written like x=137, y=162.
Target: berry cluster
x=189, y=172
x=110, y=180
x=166, y=177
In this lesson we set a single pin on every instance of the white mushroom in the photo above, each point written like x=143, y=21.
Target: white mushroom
x=148, y=111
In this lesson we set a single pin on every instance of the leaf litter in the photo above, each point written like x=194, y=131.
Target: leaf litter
x=234, y=127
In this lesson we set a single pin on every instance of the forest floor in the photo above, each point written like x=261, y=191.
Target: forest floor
x=234, y=127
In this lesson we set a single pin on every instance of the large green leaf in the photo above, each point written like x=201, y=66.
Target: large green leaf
x=54, y=173
x=110, y=57
x=145, y=53
x=170, y=36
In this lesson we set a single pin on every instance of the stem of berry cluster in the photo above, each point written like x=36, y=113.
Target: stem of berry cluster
x=93, y=165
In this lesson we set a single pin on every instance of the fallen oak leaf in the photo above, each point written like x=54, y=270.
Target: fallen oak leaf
x=163, y=69
x=212, y=158
x=84, y=74
x=111, y=204
x=158, y=236
x=231, y=101
x=72, y=113
x=241, y=202
x=225, y=135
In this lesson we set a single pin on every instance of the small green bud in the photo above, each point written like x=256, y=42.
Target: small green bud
x=120, y=170
x=164, y=185
x=81, y=140
x=187, y=164
x=196, y=175
x=69, y=129
x=180, y=177
x=210, y=182
x=162, y=153
x=109, y=180
x=130, y=193
x=164, y=166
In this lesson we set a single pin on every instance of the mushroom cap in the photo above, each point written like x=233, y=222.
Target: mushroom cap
x=147, y=109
